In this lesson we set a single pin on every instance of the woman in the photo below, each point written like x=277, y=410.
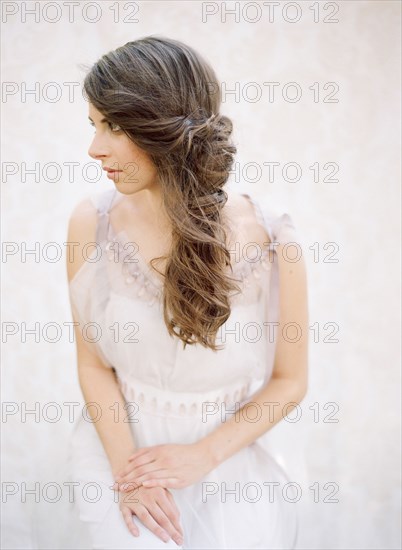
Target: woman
x=177, y=308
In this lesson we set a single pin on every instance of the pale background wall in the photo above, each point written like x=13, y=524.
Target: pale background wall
x=360, y=213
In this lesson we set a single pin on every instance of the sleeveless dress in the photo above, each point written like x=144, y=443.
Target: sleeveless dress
x=240, y=504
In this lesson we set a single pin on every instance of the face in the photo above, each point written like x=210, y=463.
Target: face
x=128, y=166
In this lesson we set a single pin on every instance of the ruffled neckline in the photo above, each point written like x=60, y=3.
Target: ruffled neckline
x=153, y=282
x=149, y=283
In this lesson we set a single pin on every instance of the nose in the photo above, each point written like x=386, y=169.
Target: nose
x=98, y=148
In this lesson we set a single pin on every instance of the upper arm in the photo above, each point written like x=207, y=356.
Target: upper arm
x=81, y=230
x=291, y=358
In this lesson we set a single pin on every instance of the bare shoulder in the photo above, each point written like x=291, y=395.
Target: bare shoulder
x=81, y=230
x=237, y=204
x=241, y=207
x=242, y=217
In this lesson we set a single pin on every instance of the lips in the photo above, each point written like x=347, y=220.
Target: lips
x=110, y=170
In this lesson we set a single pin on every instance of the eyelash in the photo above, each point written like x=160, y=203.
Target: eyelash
x=110, y=126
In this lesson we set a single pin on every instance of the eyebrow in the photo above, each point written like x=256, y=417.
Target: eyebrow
x=103, y=119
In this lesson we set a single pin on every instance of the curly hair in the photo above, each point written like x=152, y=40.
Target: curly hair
x=166, y=98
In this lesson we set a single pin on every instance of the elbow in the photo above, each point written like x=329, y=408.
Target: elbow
x=302, y=391
x=303, y=386
x=298, y=389
x=301, y=382
x=295, y=388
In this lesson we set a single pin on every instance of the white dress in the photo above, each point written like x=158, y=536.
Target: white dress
x=235, y=505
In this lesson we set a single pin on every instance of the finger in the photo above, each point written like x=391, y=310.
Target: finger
x=169, y=506
x=156, y=474
x=134, y=465
x=128, y=487
x=170, y=497
x=128, y=518
x=136, y=473
x=164, y=521
x=167, y=483
x=139, y=453
x=147, y=519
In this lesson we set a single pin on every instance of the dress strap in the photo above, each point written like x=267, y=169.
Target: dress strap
x=103, y=203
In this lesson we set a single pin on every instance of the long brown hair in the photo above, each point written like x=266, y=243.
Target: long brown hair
x=166, y=98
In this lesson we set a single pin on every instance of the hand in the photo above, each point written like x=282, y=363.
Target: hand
x=169, y=466
x=156, y=509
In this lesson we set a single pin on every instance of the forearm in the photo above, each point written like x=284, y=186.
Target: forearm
x=265, y=409
x=100, y=386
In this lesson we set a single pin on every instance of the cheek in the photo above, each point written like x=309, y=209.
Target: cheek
x=133, y=156
x=135, y=160
x=141, y=161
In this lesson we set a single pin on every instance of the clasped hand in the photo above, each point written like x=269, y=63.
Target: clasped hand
x=170, y=465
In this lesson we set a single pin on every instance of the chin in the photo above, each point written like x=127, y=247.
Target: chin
x=124, y=190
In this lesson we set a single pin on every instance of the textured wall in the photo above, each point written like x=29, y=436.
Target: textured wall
x=353, y=360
